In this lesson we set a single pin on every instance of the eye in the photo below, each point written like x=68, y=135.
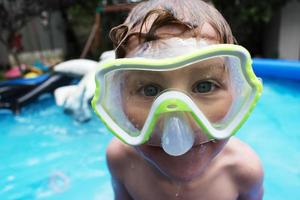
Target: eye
x=151, y=90
x=204, y=87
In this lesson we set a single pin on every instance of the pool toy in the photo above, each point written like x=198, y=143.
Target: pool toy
x=18, y=92
x=130, y=83
x=25, y=81
x=78, y=67
x=75, y=99
x=14, y=72
x=59, y=182
x=31, y=75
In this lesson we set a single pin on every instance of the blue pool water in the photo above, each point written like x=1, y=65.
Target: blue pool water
x=44, y=154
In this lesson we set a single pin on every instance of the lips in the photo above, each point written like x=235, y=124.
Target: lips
x=183, y=167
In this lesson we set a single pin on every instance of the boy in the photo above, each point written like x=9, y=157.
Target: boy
x=166, y=166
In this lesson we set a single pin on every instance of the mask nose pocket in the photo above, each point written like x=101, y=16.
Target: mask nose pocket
x=177, y=137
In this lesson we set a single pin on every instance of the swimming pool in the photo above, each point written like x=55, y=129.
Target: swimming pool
x=46, y=155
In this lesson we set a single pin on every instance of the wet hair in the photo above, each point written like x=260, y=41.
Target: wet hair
x=187, y=14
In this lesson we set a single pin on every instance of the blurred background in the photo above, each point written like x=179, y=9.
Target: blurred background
x=50, y=31
x=53, y=146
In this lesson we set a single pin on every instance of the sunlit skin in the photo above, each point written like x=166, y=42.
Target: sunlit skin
x=215, y=170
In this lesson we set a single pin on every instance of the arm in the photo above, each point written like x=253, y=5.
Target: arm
x=255, y=194
x=117, y=168
x=248, y=173
x=251, y=179
x=119, y=190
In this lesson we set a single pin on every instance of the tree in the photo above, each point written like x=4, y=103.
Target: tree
x=15, y=14
x=248, y=18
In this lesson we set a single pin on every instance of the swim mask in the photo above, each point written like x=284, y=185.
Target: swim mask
x=187, y=94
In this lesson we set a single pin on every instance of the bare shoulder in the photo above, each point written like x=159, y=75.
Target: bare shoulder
x=246, y=168
x=117, y=155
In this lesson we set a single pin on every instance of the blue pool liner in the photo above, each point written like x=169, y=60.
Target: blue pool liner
x=26, y=81
x=274, y=68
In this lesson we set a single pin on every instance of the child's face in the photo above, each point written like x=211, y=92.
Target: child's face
x=212, y=96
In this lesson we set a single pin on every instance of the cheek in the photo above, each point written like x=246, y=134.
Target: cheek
x=217, y=146
x=135, y=113
x=217, y=109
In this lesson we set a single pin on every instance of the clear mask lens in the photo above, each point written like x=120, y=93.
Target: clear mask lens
x=216, y=87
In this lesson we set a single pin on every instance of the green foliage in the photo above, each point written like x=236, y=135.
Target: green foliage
x=249, y=11
x=15, y=14
x=1, y=75
x=82, y=18
x=248, y=19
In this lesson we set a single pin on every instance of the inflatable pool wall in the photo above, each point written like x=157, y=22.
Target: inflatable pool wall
x=274, y=68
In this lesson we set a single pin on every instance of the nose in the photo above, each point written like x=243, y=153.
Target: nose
x=178, y=79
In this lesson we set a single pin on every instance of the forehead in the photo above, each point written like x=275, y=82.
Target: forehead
x=203, y=30
x=206, y=32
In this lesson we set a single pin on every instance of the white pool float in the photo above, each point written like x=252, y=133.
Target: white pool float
x=76, y=98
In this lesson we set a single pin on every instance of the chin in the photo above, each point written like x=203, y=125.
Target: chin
x=185, y=167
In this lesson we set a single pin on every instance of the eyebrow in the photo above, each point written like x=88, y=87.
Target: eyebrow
x=209, y=69
x=214, y=68
x=208, y=63
x=145, y=75
x=205, y=65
